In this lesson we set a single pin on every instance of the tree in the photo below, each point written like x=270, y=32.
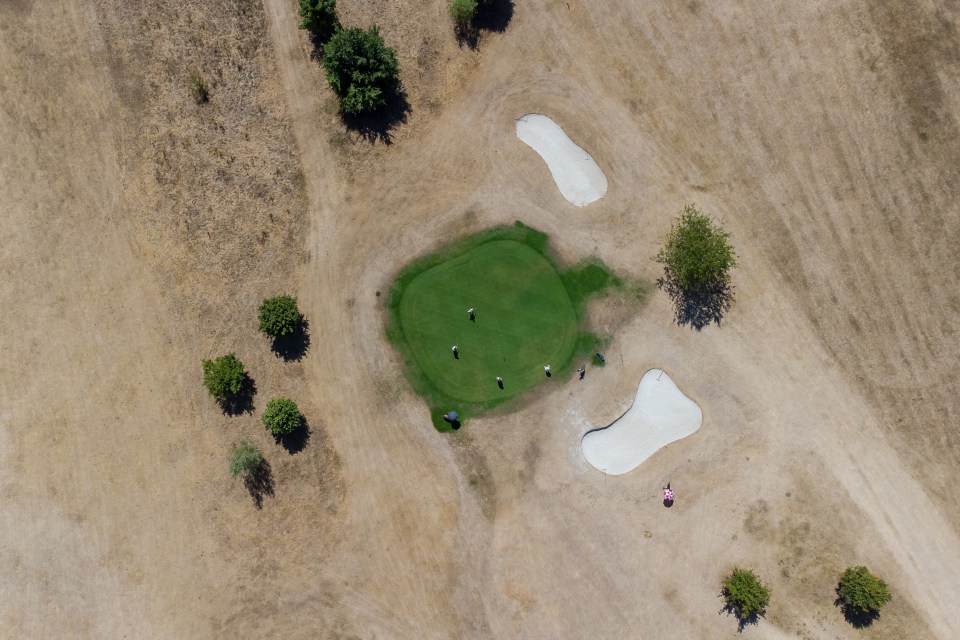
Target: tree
x=862, y=594
x=320, y=18
x=246, y=459
x=279, y=316
x=463, y=12
x=224, y=377
x=282, y=416
x=697, y=258
x=361, y=69
x=745, y=595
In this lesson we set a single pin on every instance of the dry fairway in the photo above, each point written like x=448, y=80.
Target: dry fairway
x=139, y=232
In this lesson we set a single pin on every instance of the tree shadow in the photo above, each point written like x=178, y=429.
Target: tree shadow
x=376, y=126
x=319, y=40
x=292, y=347
x=494, y=15
x=259, y=483
x=467, y=35
x=701, y=307
x=295, y=441
x=742, y=623
x=856, y=618
x=242, y=401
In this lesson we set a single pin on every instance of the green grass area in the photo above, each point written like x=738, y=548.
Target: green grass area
x=528, y=314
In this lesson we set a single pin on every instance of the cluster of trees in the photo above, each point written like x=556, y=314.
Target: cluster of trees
x=226, y=379
x=361, y=69
x=860, y=593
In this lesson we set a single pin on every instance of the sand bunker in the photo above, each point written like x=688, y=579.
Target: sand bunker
x=579, y=178
x=660, y=414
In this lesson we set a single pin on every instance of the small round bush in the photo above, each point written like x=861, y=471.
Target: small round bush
x=282, y=416
x=319, y=17
x=862, y=592
x=246, y=459
x=697, y=254
x=224, y=377
x=463, y=11
x=279, y=316
x=361, y=69
x=745, y=595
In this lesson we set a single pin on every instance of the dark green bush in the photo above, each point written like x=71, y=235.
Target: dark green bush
x=745, y=595
x=279, y=316
x=282, y=416
x=224, y=377
x=861, y=592
x=361, y=69
x=320, y=18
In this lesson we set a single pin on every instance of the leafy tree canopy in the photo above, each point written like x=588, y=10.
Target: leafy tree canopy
x=697, y=254
x=224, y=377
x=282, y=416
x=279, y=316
x=319, y=17
x=246, y=459
x=463, y=11
x=745, y=595
x=361, y=69
x=862, y=592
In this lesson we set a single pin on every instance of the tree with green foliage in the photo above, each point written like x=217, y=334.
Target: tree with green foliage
x=320, y=18
x=224, y=377
x=245, y=459
x=282, y=416
x=361, y=69
x=697, y=257
x=745, y=595
x=862, y=594
x=463, y=12
x=279, y=316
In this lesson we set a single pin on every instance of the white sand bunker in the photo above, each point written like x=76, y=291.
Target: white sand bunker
x=659, y=415
x=579, y=178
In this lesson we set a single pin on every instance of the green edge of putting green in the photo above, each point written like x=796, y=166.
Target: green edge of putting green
x=528, y=314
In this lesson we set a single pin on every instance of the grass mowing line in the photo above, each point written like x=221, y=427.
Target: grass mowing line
x=528, y=315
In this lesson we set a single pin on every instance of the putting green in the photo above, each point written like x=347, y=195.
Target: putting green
x=524, y=320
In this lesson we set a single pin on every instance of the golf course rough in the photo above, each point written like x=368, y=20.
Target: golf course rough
x=524, y=320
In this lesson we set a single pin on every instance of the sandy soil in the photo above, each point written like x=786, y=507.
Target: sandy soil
x=139, y=232
x=577, y=175
x=660, y=414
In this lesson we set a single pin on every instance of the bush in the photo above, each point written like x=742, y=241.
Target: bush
x=319, y=17
x=745, y=596
x=224, y=377
x=246, y=459
x=279, y=316
x=697, y=254
x=862, y=593
x=463, y=12
x=198, y=88
x=282, y=416
x=361, y=69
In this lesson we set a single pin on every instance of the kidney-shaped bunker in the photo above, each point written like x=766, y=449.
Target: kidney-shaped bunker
x=578, y=177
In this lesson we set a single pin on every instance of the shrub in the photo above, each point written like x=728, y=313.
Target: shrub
x=224, y=377
x=697, y=254
x=279, y=316
x=319, y=17
x=246, y=459
x=745, y=595
x=463, y=12
x=361, y=69
x=282, y=416
x=861, y=592
x=198, y=88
